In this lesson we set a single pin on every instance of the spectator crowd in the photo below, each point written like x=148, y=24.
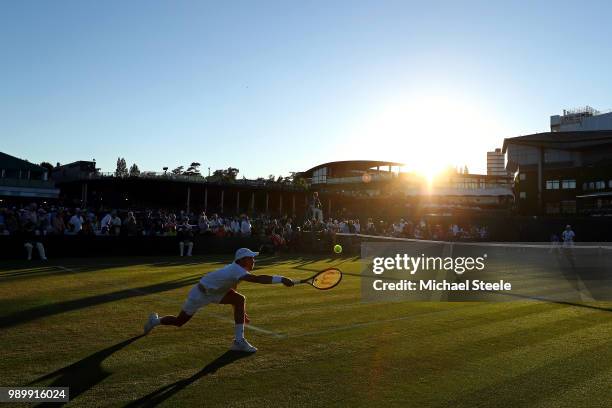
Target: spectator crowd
x=35, y=222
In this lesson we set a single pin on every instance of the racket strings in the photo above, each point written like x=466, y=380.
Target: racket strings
x=327, y=279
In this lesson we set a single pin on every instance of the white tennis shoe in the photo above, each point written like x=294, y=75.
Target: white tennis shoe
x=243, y=345
x=151, y=323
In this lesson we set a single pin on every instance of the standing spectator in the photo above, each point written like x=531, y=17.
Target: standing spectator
x=33, y=236
x=185, y=237
x=316, y=207
x=76, y=223
x=57, y=223
x=203, y=223
x=245, y=226
x=568, y=236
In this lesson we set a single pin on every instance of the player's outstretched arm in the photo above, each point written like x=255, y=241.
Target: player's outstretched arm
x=267, y=279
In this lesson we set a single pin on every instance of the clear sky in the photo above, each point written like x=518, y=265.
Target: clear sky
x=274, y=87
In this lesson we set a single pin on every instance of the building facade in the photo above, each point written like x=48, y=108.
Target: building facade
x=496, y=163
x=20, y=179
x=378, y=188
x=581, y=119
x=568, y=173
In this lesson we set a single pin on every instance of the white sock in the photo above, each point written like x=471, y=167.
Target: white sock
x=181, y=247
x=239, y=331
x=189, y=248
x=41, y=251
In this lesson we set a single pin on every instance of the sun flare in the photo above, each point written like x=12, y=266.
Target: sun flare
x=429, y=133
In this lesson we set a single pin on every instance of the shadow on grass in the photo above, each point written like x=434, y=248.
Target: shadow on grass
x=167, y=391
x=46, y=310
x=84, y=374
x=38, y=312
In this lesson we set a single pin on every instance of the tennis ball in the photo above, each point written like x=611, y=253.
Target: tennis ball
x=338, y=248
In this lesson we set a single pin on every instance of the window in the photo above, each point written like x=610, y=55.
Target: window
x=600, y=185
x=319, y=176
x=552, y=184
x=609, y=183
x=522, y=176
x=523, y=194
x=591, y=186
x=568, y=184
x=568, y=207
x=585, y=186
x=553, y=208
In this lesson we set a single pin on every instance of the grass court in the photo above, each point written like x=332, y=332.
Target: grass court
x=78, y=323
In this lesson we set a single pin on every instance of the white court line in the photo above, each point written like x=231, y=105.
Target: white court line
x=484, y=244
x=214, y=315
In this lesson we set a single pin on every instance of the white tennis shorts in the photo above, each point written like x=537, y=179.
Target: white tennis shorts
x=196, y=299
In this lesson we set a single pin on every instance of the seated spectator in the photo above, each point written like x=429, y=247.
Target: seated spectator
x=105, y=224
x=130, y=225
x=115, y=224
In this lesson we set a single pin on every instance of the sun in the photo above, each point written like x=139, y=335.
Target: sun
x=429, y=133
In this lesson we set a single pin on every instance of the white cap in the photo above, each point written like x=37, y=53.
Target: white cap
x=243, y=253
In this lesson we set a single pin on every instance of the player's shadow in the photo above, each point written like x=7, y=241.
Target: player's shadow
x=38, y=312
x=84, y=374
x=167, y=391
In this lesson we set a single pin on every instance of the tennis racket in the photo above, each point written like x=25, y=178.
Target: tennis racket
x=323, y=280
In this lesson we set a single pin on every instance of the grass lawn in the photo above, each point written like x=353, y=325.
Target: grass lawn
x=78, y=323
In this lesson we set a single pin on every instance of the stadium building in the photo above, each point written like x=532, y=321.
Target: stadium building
x=380, y=188
x=21, y=180
x=581, y=119
x=562, y=172
x=83, y=185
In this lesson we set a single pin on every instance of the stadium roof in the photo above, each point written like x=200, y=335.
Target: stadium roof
x=562, y=140
x=354, y=165
x=11, y=162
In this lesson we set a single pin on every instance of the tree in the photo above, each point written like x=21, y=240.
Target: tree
x=193, y=170
x=178, y=171
x=232, y=173
x=227, y=175
x=134, y=171
x=122, y=170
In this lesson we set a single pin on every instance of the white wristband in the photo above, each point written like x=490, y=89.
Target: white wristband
x=277, y=279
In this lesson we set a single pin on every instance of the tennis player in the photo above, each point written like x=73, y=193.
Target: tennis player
x=218, y=287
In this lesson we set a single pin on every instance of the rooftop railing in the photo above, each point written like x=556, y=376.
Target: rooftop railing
x=16, y=182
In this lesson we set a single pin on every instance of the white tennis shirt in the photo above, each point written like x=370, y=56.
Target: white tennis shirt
x=223, y=279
